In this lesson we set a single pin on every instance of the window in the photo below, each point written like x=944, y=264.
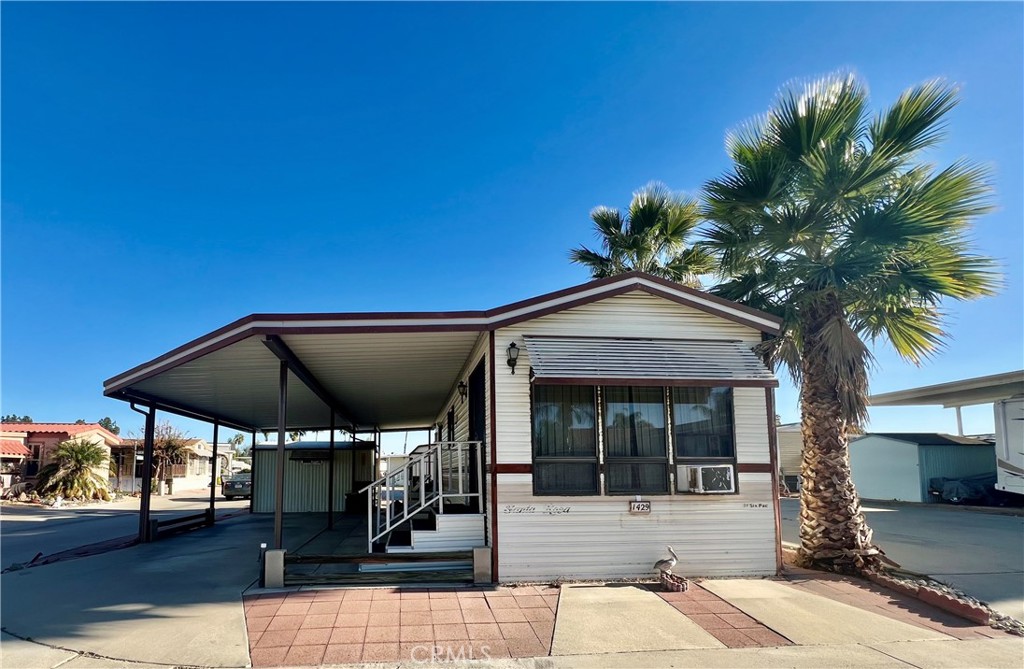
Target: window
x=702, y=423
x=636, y=452
x=564, y=440
x=632, y=450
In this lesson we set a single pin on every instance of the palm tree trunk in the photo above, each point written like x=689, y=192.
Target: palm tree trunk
x=833, y=532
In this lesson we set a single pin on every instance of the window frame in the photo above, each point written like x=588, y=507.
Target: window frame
x=595, y=459
x=684, y=461
x=610, y=460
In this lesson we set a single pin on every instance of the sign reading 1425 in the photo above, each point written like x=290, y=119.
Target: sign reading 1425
x=640, y=507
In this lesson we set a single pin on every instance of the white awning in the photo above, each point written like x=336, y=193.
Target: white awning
x=594, y=360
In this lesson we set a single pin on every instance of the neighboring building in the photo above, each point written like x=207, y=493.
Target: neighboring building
x=898, y=466
x=38, y=441
x=578, y=432
x=13, y=453
x=193, y=474
x=791, y=447
x=1006, y=394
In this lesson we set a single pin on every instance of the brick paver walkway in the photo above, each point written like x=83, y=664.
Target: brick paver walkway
x=720, y=619
x=877, y=599
x=388, y=624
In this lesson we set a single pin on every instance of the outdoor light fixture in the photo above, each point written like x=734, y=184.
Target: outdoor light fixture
x=463, y=390
x=513, y=355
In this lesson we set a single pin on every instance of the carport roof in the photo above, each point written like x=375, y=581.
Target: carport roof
x=371, y=370
x=967, y=392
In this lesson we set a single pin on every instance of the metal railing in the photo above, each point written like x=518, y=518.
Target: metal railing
x=442, y=472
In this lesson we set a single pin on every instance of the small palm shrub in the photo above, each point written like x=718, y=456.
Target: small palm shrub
x=73, y=473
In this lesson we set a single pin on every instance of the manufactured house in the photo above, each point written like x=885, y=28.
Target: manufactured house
x=575, y=433
x=28, y=447
x=193, y=472
x=899, y=465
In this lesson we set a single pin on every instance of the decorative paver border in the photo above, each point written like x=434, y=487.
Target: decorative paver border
x=721, y=619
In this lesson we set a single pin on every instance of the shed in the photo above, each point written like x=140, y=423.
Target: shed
x=306, y=474
x=898, y=466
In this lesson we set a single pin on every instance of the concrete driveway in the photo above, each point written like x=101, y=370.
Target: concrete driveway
x=26, y=531
x=978, y=552
x=176, y=600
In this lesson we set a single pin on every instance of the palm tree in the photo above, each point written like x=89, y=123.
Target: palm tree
x=829, y=219
x=651, y=237
x=73, y=473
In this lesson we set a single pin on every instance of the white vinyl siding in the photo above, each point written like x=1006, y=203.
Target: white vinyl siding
x=542, y=538
x=547, y=538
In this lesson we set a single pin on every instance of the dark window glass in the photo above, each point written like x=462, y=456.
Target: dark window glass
x=564, y=440
x=564, y=478
x=563, y=421
x=623, y=477
x=702, y=422
x=636, y=454
x=634, y=422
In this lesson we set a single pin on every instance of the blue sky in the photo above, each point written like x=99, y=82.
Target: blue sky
x=167, y=168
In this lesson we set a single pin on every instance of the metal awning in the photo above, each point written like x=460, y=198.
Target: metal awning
x=594, y=360
x=967, y=392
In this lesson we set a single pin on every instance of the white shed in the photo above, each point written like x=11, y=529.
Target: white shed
x=898, y=466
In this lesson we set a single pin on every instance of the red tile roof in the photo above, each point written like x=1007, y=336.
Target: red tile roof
x=13, y=447
x=56, y=428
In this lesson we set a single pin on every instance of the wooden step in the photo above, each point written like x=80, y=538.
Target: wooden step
x=460, y=576
x=379, y=558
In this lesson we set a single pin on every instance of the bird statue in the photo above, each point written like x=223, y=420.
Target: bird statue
x=665, y=566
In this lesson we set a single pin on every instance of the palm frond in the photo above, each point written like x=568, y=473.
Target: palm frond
x=916, y=121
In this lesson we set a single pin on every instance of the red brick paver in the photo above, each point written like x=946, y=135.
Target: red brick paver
x=345, y=626
x=871, y=597
x=722, y=620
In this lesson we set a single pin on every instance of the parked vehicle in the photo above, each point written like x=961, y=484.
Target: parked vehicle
x=979, y=490
x=1010, y=445
x=239, y=485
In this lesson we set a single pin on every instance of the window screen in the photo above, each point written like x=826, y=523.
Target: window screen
x=702, y=422
x=564, y=440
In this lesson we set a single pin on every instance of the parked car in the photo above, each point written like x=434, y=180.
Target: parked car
x=239, y=485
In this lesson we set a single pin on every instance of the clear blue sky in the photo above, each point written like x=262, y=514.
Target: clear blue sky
x=168, y=168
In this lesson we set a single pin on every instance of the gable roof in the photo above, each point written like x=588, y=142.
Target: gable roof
x=373, y=370
x=471, y=321
x=930, y=438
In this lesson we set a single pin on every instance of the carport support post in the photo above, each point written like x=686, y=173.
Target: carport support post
x=330, y=479
x=252, y=469
x=213, y=476
x=282, y=425
x=147, y=476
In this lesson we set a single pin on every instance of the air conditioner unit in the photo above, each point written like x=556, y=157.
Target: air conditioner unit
x=710, y=479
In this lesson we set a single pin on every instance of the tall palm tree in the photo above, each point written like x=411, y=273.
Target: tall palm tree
x=73, y=473
x=829, y=219
x=650, y=237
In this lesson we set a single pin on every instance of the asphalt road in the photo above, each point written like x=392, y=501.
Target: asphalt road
x=26, y=531
x=978, y=552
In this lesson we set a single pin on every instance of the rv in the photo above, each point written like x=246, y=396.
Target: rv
x=1010, y=445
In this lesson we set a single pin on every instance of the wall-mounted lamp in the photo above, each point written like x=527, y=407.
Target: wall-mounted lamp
x=513, y=356
x=463, y=390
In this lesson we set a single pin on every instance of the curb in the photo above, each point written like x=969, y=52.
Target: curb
x=938, y=599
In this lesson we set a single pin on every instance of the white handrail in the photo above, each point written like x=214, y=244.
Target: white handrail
x=430, y=467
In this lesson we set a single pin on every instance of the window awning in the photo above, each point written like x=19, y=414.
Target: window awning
x=597, y=360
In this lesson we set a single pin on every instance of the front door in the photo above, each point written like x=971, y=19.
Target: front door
x=477, y=396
